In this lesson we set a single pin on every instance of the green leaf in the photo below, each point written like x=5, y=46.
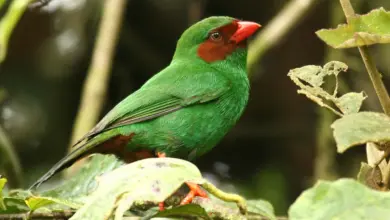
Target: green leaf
x=344, y=199
x=350, y=102
x=2, y=183
x=368, y=29
x=190, y=210
x=14, y=206
x=262, y=207
x=35, y=203
x=148, y=180
x=310, y=80
x=78, y=187
x=360, y=128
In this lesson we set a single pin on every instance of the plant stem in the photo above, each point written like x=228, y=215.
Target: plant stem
x=373, y=72
x=375, y=77
x=227, y=197
x=8, y=23
x=96, y=82
x=276, y=29
x=10, y=161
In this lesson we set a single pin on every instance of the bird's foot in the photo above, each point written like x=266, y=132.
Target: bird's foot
x=195, y=190
x=161, y=204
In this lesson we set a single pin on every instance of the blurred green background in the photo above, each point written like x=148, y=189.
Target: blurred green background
x=270, y=154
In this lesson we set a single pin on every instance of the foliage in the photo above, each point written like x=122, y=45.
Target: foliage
x=347, y=198
x=372, y=28
x=360, y=128
x=104, y=188
x=311, y=78
x=342, y=199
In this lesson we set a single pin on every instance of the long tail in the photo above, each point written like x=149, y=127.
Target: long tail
x=80, y=152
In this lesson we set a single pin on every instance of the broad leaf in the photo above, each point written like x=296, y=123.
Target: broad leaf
x=262, y=207
x=344, y=199
x=360, y=128
x=148, y=180
x=368, y=29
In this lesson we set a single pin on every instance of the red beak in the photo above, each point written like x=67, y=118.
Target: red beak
x=245, y=29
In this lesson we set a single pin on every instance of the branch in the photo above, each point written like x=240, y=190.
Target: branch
x=277, y=28
x=96, y=82
x=38, y=215
x=8, y=23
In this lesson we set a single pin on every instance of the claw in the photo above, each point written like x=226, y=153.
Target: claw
x=195, y=190
x=161, y=206
x=161, y=155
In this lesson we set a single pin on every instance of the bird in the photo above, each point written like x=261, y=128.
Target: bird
x=184, y=110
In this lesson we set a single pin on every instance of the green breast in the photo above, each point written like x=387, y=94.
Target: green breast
x=193, y=130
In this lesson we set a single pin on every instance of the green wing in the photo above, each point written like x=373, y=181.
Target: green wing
x=165, y=93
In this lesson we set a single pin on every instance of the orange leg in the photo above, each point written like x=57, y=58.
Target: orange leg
x=161, y=204
x=195, y=190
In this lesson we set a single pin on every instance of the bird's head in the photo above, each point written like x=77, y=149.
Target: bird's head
x=218, y=41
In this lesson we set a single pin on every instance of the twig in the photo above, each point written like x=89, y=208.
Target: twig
x=374, y=74
x=8, y=23
x=38, y=215
x=10, y=161
x=96, y=82
x=277, y=28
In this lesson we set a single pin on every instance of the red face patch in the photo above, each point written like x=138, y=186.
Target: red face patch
x=218, y=44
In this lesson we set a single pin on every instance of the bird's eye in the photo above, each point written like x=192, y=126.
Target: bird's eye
x=216, y=36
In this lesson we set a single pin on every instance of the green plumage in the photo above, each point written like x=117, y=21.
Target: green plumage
x=183, y=111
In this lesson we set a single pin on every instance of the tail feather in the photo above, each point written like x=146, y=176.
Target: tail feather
x=60, y=165
x=80, y=152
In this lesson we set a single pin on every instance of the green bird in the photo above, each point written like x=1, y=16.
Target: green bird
x=184, y=110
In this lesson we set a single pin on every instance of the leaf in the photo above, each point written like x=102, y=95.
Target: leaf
x=14, y=206
x=2, y=184
x=360, y=128
x=217, y=209
x=8, y=204
x=35, y=203
x=84, y=182
x=344, y=199
x=350, y=102
x=262, y=207
x=370, y=177
x=190, y=210
x=368, y=29
x=148, y=180
x=310, y=79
